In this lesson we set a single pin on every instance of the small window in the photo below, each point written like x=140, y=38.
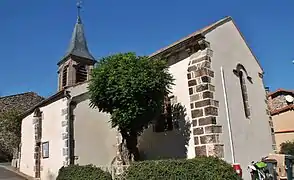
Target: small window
x=45, y=150
x=241, y=73
x=244, y=93
x=81, y=74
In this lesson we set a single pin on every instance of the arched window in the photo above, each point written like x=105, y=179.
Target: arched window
x=64, y=76
x=242, y=74
x=164, y=121
x=81, y=74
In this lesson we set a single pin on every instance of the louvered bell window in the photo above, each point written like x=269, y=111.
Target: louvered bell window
x=81, y=75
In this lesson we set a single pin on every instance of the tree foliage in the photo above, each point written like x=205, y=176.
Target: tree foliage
x=208, y=168
x=287, y=148
x=10, y=133
x=131, y=88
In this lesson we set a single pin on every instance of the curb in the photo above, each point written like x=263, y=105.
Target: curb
x=9, y=168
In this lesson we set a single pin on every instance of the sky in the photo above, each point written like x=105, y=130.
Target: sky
x=34, y=34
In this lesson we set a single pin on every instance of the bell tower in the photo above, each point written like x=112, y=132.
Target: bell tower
x=76, y=65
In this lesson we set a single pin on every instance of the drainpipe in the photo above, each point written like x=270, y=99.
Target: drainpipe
x=228, y=115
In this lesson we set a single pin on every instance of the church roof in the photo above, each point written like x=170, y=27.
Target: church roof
x=78, y=43
x=203, y=32
x=44, y=102
x=55, y=97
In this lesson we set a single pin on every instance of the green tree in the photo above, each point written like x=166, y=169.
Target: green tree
x=287, y=148
x=10, y=133
x=132, y=89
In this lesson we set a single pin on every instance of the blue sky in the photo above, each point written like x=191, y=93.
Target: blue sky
x=35, y=34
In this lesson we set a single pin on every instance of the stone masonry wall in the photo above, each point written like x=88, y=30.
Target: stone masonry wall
x=65, y=123
x=37, y=122
x=204, y=108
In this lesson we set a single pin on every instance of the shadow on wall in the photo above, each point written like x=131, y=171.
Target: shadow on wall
x=50, y=175
x=169, y=144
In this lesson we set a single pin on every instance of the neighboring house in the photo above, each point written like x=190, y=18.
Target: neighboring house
x=218, y=91
x=20, y=103
x=281, y=109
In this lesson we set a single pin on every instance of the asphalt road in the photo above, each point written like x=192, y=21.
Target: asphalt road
x=8, y=175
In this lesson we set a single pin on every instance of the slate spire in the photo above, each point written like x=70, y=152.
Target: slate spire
x=78, y=44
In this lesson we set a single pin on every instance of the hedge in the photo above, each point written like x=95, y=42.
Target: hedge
x=200, y=168
x=88, y=172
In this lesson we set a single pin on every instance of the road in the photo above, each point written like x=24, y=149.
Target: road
x=8, y=175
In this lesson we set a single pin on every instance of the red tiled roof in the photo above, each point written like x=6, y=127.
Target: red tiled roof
x=280, y=90
x=285, y=131
x=287, y=108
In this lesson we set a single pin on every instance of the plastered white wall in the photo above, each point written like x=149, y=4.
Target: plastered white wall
x=251, y=137
x=51, y=132
x=173, y=143
x=27, y=162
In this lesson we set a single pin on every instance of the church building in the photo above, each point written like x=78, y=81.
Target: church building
x=218, y=84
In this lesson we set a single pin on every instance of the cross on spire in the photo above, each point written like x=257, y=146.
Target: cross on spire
x=79, y=7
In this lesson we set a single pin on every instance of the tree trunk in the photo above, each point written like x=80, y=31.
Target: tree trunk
x=128, y=148
x=123, y=151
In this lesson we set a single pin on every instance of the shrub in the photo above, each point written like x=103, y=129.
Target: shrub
x=88, y=172
x=200, y=168
x=287, y=148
